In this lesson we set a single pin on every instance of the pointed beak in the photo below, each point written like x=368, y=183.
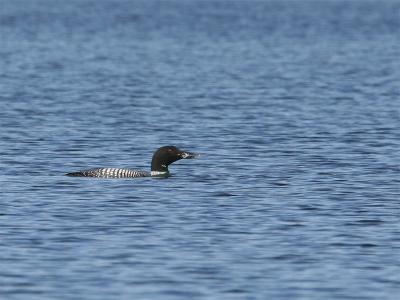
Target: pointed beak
x=188, y=155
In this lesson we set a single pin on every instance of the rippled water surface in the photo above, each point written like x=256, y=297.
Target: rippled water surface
x=294, y=106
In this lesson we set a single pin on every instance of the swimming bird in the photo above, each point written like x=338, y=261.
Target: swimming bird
x=162, y=158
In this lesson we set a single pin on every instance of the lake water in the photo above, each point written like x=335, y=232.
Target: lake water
x=293, y=105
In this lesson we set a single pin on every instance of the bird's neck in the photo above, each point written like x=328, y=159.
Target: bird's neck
x=157, y=166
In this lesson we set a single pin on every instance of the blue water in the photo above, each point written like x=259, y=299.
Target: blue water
x=293, y=105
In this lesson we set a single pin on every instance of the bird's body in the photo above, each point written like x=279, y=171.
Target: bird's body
x=163, y=157
x=110, y=173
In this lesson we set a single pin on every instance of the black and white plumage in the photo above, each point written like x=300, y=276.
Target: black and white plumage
x=162, y=158
x=110, y=173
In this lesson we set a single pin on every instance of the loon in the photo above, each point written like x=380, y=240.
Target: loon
x=162, y=158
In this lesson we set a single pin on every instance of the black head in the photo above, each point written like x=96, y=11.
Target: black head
x=166, y=155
